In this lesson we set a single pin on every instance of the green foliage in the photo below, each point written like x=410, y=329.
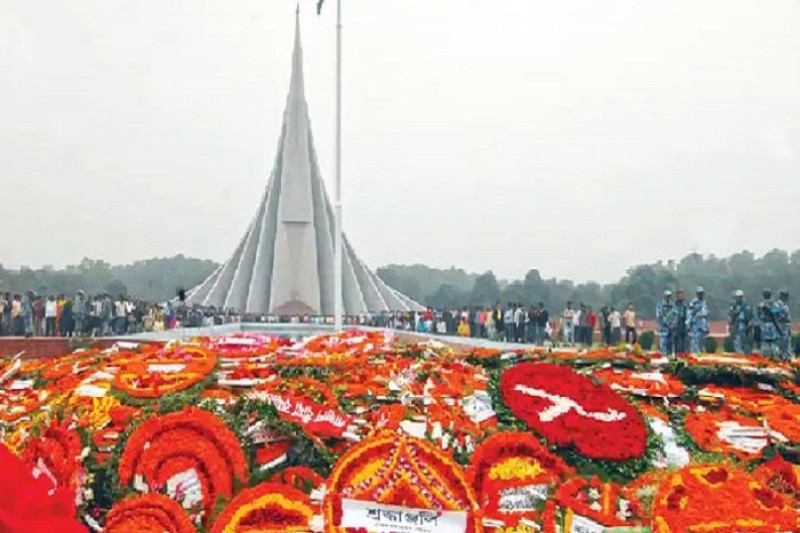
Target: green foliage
x=647, y=339
x=152, y=280
x=710, y=345
x=641, y=285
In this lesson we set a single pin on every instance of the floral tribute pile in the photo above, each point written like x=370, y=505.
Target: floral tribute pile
x=363, y=432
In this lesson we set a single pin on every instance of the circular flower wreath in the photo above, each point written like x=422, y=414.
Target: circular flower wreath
x=705, y=427
x=399, y=470
x=191, y=440
x=716, y=499
x=58, y=451
x=164, y=372
x=148, y=513
x=567, y=408
x=266, y=508
x=511, y=461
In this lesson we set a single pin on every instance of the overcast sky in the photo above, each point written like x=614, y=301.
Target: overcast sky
x=579, y=137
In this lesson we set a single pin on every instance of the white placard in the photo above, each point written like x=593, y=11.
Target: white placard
x=21, y=384
x=91, y=391
x=186, y=488
x=166, y=368
x=478, y=407
x=379, y=518
x=523, y=499
x=581, y=524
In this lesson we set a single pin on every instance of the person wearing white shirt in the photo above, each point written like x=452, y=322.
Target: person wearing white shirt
x=50, y=313
x=615, y=321
x=568, y=324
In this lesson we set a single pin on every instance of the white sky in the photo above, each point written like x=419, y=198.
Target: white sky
x=579, y=137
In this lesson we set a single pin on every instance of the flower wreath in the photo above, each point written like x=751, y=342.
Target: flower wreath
x=568, y=408
x=512, y=474
x=711, y=430
x=606, y=504
x=148, y=513
x=399, y=470
x=191, y=443
x=266, y=508
x=717, y=498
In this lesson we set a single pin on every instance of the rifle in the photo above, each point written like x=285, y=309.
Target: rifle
x=772, y=318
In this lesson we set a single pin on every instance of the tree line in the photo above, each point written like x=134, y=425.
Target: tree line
x=159, y=279
x=641, y=285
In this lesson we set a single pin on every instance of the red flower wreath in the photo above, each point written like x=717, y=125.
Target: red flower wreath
x=148, y=513
x=512, y=474
x=266, y=508
x=188, y=440
x=567, y=408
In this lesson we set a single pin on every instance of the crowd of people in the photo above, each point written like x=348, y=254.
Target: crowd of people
x=51, y=315
x=518, y=323
x=682, y=326
x=767, y=327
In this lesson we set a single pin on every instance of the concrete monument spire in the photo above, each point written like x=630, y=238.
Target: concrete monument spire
x=285, y=262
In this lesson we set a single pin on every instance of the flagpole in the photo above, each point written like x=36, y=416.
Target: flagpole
x=337, y=284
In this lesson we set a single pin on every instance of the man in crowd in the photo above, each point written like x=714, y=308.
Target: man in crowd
x=698, y=321
x=508, y=319
x=615, y=324
x=542, y=319
x=50, y=312
x=768, y=325
x=784, y=319
x=568, y=324
x=681, y=323
x=739, y=318
x=665, y=316
x=630, y=325
x=605, y=324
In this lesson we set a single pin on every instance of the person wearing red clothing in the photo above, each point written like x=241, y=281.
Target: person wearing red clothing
x=590, y=330
x=31, y=504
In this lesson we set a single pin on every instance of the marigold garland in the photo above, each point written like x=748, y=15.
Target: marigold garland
x=608, y=504
x=399, y=470
x=509, y=462
x=717, y=498
x=707, y=427
x=148, y=513
x=187, y=440
x=58, y=450
x=266, y=508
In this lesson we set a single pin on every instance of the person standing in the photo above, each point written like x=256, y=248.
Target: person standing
x=79, y=312
x=605, y=325
x=784, y=319
x=583, y=325
x=542, y=321
x=739, y=318
x=17, y=320
x=66, y=319
x=50, y=311
x=666, y=317
x=27, y=313
x=615, y=323
x=698, y=321
x=768, y=325
x=519, y=323
x=591, y=327
x=568, y=319
x=631, y=336
x=498, y=320
x=508, y=319
x=680, y=336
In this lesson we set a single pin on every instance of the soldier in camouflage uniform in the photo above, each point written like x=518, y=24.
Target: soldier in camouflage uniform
x=665, y=315
x=739, y=317
x=784, y=320
x=697, y=322
x=765, y=315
